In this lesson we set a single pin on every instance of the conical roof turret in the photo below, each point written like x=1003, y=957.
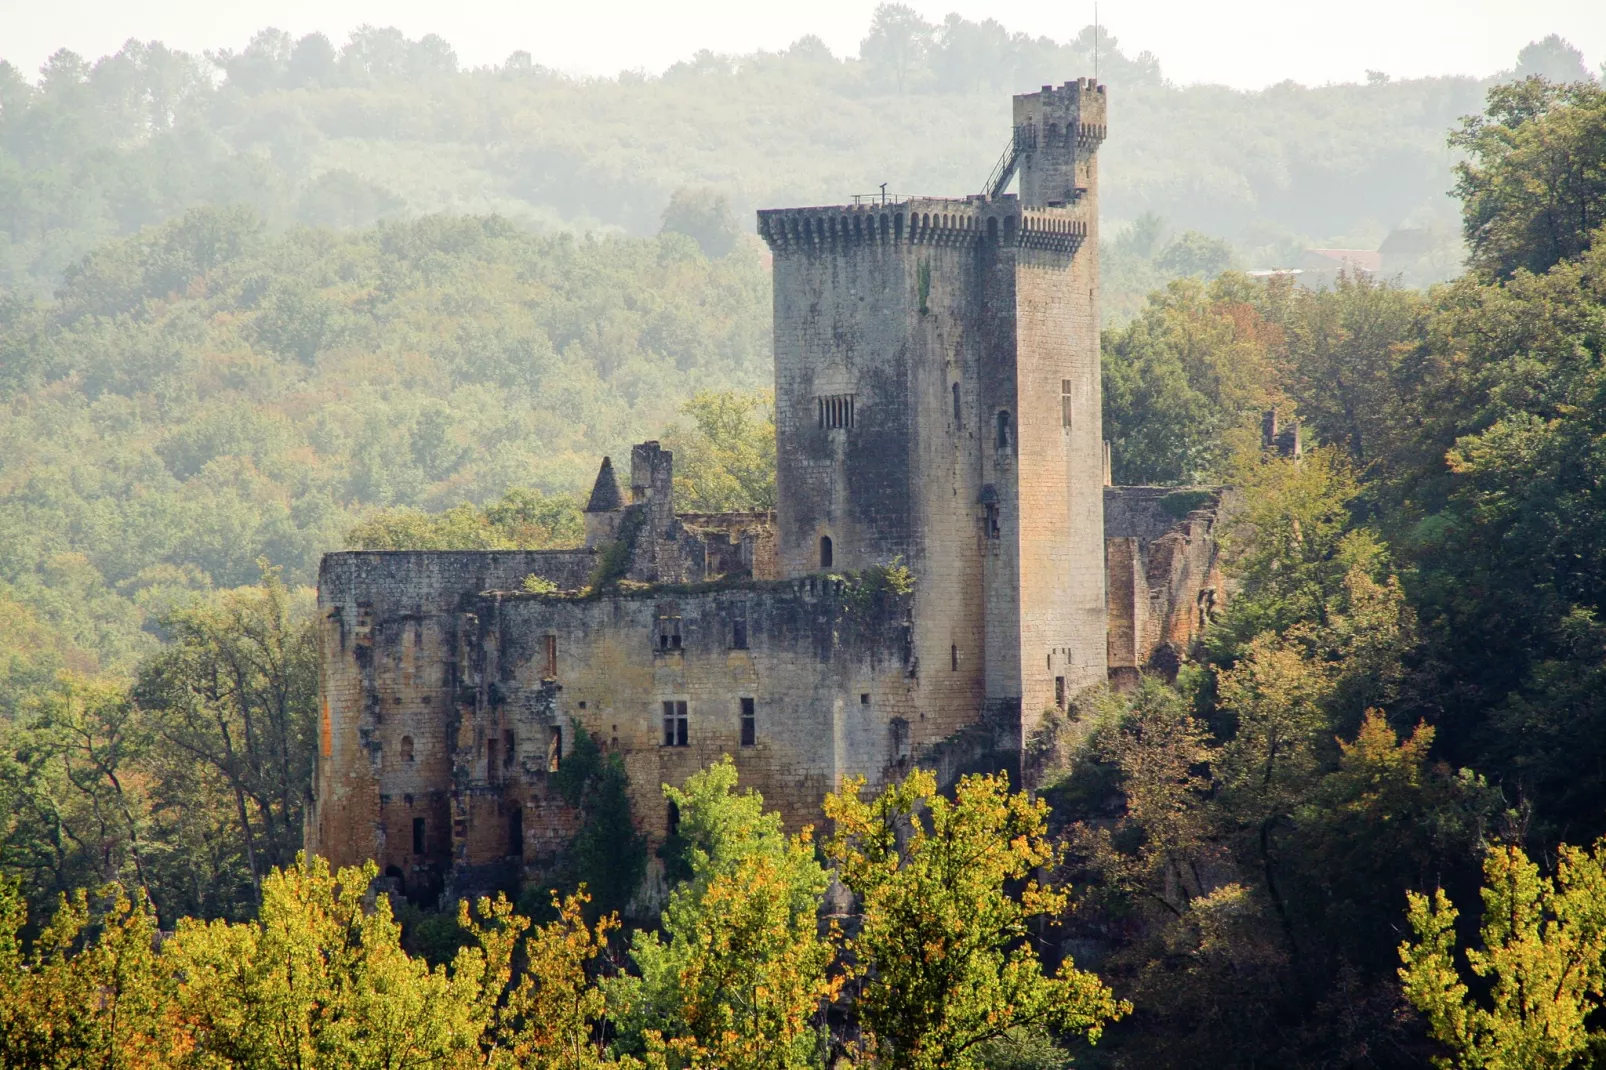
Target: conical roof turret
x=605, y=496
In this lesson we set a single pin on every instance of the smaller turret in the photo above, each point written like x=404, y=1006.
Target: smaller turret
x=603, y=510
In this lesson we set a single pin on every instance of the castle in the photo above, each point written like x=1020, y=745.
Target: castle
x=937, y=409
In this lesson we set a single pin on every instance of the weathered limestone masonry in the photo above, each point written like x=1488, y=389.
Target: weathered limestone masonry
x=1164, y=566
x=937, y=403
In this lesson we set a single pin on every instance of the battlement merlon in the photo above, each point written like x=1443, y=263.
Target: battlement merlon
x=925, y=221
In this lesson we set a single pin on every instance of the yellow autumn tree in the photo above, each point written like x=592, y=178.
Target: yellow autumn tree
x=943, y=956
x=1543, y=961
x=92, y=991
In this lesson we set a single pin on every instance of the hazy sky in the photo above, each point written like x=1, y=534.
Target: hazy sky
x=1244, y=43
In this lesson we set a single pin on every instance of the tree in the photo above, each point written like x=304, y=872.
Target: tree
x=607, y=856
x=725, y=460
x=898, y=43
x=1186, y=382
x=91, y=992
x=743, y=974
x=552, y=1016
x=236, y=695
x=943, y=958
x=1543, y=958
x=1533, y=191
x=703, y=215
x=320, y=978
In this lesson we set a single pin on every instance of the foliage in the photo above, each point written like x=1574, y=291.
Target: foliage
x=608, y=856
x=1186, y=382
x=725, y=457
x=1534, y=190
x=742, y=976
x=525, y=519
x=703, y=215
x=942, y=955
x=1543, y=958
x=188, y=786
x=233, y=702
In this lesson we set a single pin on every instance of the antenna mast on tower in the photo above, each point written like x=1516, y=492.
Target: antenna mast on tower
x=1095, y=42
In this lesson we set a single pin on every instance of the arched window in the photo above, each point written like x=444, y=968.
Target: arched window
x=407, y=748
x=674, y=820
x=956, y=406
x=1003, y=429
x=826, y=555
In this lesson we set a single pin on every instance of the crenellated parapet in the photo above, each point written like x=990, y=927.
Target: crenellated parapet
x=927, y=221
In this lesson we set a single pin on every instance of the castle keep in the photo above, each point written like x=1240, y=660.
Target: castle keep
x=937, y=409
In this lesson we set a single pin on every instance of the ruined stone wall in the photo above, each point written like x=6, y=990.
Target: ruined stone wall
x=388, y=629
x=828, y=672
x=1164, y=567
x=450, y=703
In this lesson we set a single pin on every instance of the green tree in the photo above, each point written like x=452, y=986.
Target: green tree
x=1533, y=191
x=703, y=215
x=1543, y=958
x=942, y=959
x=742, y=975
x=607, y=856
x=725, y=458
x=235, y=696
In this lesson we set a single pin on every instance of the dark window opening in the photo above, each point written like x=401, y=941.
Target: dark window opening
x=1059, y=692
x=668, y=632
x=515, y=832
x=1003, y=429
x=953, y=659
x=673, y=820
x=490, y=759
x=407, y=748
x=826, y=554
x=956, y=407
x=739, y=630
x=554, y=748
x=989, y=520
x=395, y=874
x=749, y=723
x=835, y=412
x=551, y=657
x=675, y=729
x=1065, y=403
x=864, y=698
x=418, y=835
x=509, y=750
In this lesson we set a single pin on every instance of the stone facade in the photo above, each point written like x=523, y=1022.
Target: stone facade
x=937, y=405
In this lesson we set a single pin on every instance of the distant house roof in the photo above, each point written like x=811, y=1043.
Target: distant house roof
x=605, y=496
x=1369, y=260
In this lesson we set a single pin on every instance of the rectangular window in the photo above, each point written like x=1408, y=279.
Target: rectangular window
x=835, y=412
x=551, y=658
x=675, y=734
x=418, y=835
x=554, y=748
x=668, y=633
x=1065, y=403
x=739, y=630
x=509, y=750
x=490, y=759
x=989, y=520
x=1059, y=692
x=749, y=723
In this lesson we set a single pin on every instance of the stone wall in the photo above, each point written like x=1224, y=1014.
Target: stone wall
x=1165, y=582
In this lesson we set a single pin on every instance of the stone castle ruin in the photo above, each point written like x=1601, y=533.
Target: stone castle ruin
x=937, y=410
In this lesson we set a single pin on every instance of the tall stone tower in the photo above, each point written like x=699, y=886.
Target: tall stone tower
x=937, y=400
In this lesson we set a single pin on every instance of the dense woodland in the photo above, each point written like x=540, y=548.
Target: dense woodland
x=1359, y=829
